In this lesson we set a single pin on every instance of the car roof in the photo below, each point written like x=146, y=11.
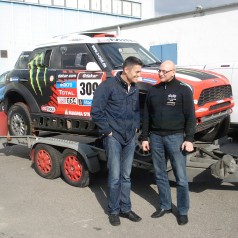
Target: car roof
x=85, y=37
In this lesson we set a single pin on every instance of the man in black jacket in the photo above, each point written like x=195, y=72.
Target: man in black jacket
x=169, y=121
x=115, y=110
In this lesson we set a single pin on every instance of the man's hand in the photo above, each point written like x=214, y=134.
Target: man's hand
x=145, y=145
x=188, y=146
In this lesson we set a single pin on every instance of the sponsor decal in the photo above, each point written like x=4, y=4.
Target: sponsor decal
x=67, y=76
x=67, y=92
x=46, y=108
x=101, y=59
x=85, y=102
x=149, y=80
x=67, y=84
x=66, y=100
x=87, y=83
x=37, y=62
x=14, y=79
x=77, y=113
x=202, y=109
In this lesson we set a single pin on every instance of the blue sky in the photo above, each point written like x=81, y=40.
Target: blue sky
x=163, y=7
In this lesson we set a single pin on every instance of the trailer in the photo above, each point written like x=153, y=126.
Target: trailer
x=79, y=158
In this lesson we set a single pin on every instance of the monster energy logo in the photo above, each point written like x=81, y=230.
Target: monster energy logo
x=38, y=62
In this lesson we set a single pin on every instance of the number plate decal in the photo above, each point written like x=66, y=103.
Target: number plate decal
x=86, y=86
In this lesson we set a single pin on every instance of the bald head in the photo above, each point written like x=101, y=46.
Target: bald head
x=168, y=64
x=167, y=71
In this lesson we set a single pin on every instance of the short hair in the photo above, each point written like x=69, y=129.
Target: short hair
x=132, y=60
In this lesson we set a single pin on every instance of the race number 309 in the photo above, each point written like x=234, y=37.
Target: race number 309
x=87, y=88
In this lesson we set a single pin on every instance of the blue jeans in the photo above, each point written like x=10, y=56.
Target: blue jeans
x=119, y=163
x=170, y=145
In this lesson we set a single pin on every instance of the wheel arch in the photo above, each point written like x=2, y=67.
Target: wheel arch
x=19, y=93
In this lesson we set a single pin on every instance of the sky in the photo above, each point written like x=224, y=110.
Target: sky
x=164, y=7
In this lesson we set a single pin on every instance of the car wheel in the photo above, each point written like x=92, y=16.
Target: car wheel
x=19, y=120
x=139, y=153
x=216, y=132
x=74, y=169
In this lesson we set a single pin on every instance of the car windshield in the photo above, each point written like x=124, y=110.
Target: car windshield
x=116, y=53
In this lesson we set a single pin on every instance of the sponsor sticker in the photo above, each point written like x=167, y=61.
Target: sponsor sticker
x=77, y=113
x=46, y=108
x=67, y=84
x=87, y=83
x=66, y=100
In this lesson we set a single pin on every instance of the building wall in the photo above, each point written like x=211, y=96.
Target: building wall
x=201, y=37
x=25, y=25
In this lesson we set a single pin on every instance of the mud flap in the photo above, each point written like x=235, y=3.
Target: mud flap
x=3, y=122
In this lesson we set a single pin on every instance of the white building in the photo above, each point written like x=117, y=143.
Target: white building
x=198, y=37
x=25, y=23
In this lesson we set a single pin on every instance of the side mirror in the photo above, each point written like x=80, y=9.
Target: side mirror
x=92, y=66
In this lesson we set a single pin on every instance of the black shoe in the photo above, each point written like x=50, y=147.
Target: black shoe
x=114, y=219
x=131, y=216
x=182, y=219
x=160, y=213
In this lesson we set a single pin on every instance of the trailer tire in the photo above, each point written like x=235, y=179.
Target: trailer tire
x=74, y=169
x=47, y=161
x=19, y=120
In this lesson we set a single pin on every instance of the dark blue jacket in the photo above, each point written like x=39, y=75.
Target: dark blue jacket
x=116, y=110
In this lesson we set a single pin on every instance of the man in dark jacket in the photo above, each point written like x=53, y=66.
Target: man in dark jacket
x=169, y=120
x=115, y=110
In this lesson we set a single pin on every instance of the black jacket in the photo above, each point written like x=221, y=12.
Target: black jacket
x=169, y=109
x=116, y=110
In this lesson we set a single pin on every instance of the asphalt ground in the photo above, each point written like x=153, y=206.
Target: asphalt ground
x=34, y=207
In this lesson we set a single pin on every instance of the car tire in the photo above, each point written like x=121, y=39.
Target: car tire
x=19, y=120
x=219, y=131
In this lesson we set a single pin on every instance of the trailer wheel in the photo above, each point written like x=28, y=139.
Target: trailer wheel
x=47, y=161
x=74, y=169
x=19, y=120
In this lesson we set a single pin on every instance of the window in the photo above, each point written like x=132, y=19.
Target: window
x=75, y=56
x=107, y=6
x=126, y=8
x=32, y=1
x=46, y=2
x=83, y=4
x=96, y=5
x=72, y=3
x=136, y=10
x=116, y=7
x=59, y=3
